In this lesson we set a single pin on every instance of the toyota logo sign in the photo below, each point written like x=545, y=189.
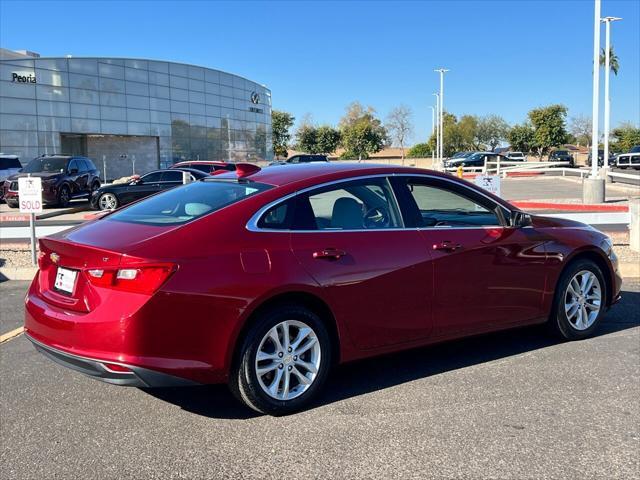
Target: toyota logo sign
x=255, y=98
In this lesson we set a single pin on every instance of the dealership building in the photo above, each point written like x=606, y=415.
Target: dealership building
x=130, y=115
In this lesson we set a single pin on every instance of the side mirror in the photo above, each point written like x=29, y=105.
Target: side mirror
x=520, y=219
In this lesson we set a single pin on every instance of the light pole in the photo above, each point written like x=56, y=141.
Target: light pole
x=607, y=100
x=442, y=72
x=593, y=187
x=433, y=118
x=437, y=124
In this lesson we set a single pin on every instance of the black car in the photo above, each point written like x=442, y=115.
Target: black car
x=476, y=159
x=562, y=156
x=64, y=178
x=600, y=158
x=113, y=196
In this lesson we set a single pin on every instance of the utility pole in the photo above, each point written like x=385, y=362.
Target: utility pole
x=607, y=99
x=437, y=125
x=593, y=187
x=442, y=71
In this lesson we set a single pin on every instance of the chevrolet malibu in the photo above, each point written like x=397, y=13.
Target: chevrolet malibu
x=265, y=279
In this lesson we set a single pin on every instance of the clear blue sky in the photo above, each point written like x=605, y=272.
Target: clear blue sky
x=506, y=57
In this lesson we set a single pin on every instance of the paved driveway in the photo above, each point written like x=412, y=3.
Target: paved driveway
x=509, y=405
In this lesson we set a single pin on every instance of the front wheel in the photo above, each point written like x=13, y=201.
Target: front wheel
x=284, y=361
x=580, y=301
x=108, y=201
x=64, y=196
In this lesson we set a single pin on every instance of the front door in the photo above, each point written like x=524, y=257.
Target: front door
x=486, y=275
x=378, y=275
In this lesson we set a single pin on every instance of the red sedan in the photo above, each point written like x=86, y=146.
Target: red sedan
x=266, y=278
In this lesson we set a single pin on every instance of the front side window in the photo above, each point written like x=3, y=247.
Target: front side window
x=183, y=204
x=73, y=165
x=355, y=205
x=439, y=206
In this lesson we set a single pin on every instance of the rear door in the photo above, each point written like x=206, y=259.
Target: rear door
x=486, y=275
x=170, y=179
x=147, y=185
x=351, y=239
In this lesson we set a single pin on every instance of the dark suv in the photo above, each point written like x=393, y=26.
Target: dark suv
x=562, y=156
x=64, y=178
x=302, y=158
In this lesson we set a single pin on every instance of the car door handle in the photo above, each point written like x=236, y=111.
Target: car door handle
x=447, y=246
x=329, y=254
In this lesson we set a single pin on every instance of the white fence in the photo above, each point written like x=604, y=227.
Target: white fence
x=497, y=167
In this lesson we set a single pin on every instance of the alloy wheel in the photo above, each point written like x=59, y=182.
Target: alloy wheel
x=583, y=300
x=107, y=201
x=288, y=360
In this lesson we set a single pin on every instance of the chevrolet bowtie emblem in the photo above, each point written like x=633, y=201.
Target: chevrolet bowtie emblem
x=55, y=258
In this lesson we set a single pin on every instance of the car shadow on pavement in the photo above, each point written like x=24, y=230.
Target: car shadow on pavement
x=365, y=376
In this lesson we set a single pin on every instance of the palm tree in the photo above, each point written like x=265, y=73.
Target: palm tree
x=614, y=64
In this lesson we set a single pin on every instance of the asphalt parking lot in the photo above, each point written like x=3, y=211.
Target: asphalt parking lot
x=516, y=404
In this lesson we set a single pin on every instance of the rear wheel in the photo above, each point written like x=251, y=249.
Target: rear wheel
x=580, y=300
x=283, y=362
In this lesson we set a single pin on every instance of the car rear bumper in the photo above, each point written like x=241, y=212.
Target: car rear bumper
x=136, y=377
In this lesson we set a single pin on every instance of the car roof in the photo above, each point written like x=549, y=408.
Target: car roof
x=200, y=162
x=314, y=173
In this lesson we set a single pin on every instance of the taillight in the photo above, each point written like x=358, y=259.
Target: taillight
x=134, y=278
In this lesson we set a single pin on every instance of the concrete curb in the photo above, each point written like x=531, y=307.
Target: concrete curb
x=24, y=273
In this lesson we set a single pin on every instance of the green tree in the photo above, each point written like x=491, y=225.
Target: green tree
x=307, y=138
x=281, y=122
x=468, y=127
x=625, y=136
x=453, y=139
x=521, y=137
x=548, y=127
x=361, y=131
x=327, y=139
x=400, y=126
x=491, y=130
x=614, y=61
x=420, y=150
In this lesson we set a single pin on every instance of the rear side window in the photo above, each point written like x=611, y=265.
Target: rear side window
x=183, y=204
x=82, y=165
x=90, y=165
x=355, y=205
x=171, y=176
x=277, y=217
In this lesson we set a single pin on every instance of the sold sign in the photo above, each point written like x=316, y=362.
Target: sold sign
x=30, y=194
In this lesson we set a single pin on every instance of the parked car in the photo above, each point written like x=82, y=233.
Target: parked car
x=266, y=278
x=562, y=156
x=600, y=158
x=476, y=159
x=516, y=157
x=64, y=178
x=114, y=196
x=302, y=158
x=9, y=165
x=627, y=160
x=207, y=166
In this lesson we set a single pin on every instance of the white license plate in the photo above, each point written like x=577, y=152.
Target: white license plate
x=65, y=279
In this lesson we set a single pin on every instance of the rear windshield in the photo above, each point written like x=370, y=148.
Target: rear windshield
x=46, y=164
x=184, y=204
x=7, y=163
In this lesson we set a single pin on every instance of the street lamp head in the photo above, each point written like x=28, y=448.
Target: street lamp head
x=441, y=70
x=610, y=19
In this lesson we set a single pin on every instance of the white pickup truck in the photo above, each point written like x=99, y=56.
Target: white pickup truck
x=630, y=159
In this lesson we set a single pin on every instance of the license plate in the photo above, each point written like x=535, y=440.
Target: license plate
x=65, y=280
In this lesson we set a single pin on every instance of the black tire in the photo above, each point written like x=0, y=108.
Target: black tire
x=244, y=382
x=559, y=322
x=64, y=196
x=12, y=205
x=101, y=201
x=94, y=186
